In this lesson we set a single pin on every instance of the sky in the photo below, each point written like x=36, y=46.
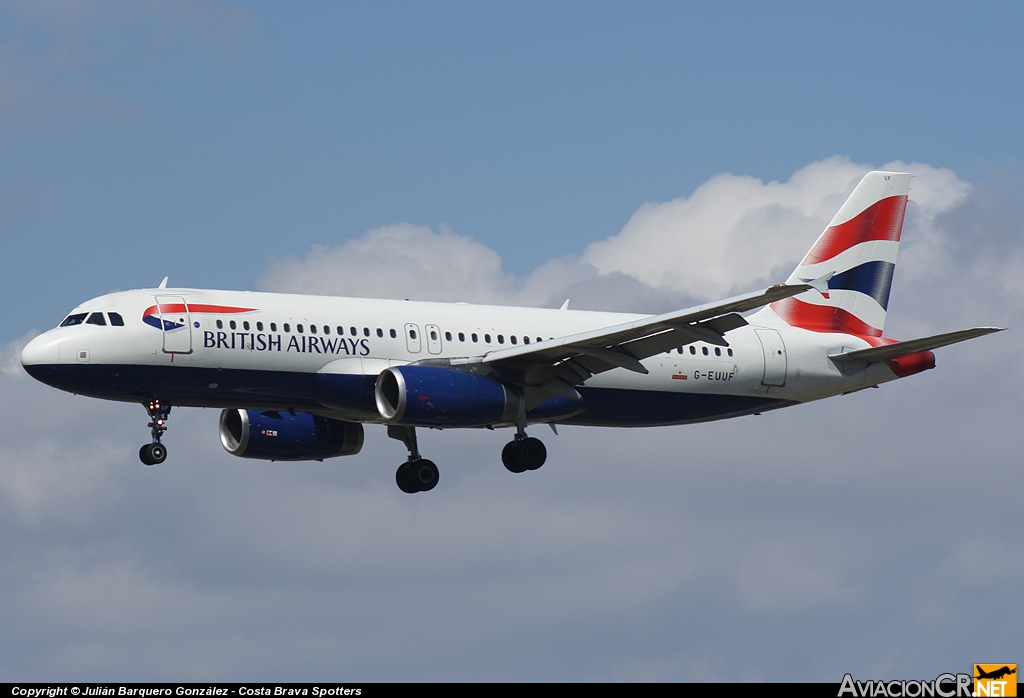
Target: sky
x=629, y=156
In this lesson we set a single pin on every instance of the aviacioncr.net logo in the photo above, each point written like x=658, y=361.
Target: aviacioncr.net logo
x=943, y=686
x=995, y=680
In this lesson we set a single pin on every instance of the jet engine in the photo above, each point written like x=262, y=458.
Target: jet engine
x=271, y=435
x=434, y=396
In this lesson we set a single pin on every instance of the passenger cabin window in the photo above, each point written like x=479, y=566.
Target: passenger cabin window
x=75, y=319
x=487, y=339
x=312, y=329
x=273, y=327
x=245, y=325
x=448, y=336
x=232, y=324
x=259, y=326
x=501, y=339
x=116, y=320
x=220, y=325
x=526, y=340
x=380, y=332
x=718, y=351
x=96, y=319
x=462, y=337
x=353, y=331
x=512, y=339
x=412, y=334
x=693, y=350
x=730, y=351
x=705, y=350
x=433, y=335
x=287, y=327
x=327, y=329
x=393, y=334
x=472, y=336
x=366, y=331
x=299, y=329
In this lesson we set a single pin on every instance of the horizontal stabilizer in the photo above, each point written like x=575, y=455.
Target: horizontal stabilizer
x=892, y=351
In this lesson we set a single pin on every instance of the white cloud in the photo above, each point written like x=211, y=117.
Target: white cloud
x=733, y=233
x=397, y=261
x=736, y=230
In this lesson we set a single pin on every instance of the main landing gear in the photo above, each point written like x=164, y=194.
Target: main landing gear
x=155, y=453
x=523, y=452
x=417, y=474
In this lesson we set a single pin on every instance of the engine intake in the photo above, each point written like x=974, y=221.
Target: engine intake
x=270, y=435
x=441, y=397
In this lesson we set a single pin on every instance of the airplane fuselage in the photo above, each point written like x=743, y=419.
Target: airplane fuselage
x=250, y=350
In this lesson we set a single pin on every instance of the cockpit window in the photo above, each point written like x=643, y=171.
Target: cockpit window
x=96, y=319
x=116, y=320
x=76, y=319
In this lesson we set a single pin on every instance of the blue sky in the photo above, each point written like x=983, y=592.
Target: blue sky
x=196, y=140
x=255, y=145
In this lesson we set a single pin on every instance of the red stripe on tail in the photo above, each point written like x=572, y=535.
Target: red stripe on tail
x=822, y=318
x=879, y=221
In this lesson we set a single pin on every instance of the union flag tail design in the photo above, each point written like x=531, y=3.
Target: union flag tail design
x=857, y=256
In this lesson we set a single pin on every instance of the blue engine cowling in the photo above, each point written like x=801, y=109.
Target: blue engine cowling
x=272, y=435
x=435, y=396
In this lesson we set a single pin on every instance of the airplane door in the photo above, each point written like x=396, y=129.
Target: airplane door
x=412, y=338
x=433, y=339
x=176, y=323
x=775, y=362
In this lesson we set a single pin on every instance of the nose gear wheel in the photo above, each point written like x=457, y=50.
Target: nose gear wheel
x=155, y=453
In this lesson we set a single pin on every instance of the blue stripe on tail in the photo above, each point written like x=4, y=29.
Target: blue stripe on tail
x=871, y=278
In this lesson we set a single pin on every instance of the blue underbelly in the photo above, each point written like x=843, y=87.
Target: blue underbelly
x=186, y=386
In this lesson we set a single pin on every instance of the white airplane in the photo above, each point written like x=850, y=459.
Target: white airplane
x=298, y=376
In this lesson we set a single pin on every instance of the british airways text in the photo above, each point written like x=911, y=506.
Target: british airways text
x=275, y=342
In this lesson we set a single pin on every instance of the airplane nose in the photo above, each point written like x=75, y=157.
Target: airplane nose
x=44, y=349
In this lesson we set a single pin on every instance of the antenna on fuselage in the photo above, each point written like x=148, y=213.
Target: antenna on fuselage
x=163, y=284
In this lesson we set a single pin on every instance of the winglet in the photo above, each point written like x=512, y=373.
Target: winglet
x=163, y=284
x=820, y=284
x=565, y=306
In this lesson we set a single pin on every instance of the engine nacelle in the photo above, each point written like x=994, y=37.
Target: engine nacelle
x=272, y=435
x=435, y=396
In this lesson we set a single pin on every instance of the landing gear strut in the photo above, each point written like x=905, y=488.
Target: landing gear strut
x=155, y=453
x=417, y=474
x=523, y=452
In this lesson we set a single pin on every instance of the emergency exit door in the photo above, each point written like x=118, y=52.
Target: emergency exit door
x=775, y=362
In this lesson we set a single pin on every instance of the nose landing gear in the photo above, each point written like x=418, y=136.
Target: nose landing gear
x=155, y=453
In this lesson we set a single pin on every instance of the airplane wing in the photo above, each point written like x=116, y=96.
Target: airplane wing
x=557, y=365
x=892, y=351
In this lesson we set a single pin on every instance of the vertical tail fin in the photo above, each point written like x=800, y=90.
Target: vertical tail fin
x=857, y=252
